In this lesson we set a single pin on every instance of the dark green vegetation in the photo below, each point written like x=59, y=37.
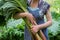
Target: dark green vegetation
x=14, y=29
x=9, y=7
x=12, y=33
x=54, y=30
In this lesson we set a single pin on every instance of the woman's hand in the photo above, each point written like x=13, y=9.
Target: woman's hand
x=31, y=18
x=35, y=29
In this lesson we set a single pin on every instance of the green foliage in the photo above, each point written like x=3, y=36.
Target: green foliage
x=12, y=33
x=54, y=30
x=55, y=15
x=9, y=7
x=2, y=20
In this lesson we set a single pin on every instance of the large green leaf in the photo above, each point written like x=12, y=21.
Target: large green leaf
x=10, y=7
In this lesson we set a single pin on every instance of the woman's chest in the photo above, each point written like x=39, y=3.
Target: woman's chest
x=36, y=12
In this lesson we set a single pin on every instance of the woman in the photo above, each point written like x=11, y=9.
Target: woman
x=38, y=10
x=37, y=6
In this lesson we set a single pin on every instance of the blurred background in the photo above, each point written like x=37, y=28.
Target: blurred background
x=14, y=29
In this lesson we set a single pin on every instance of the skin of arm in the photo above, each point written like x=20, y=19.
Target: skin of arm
x=49, y=20
x=35, y=28
x=19, y=15
x=22, y=15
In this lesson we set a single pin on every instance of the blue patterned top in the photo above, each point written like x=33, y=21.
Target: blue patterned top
x=38, y=13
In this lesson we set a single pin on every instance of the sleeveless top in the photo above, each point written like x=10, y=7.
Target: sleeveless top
x=42, y=8
x=38, y=14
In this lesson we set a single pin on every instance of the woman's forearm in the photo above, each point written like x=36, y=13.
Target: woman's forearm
x=48, y=23
x=20, y=15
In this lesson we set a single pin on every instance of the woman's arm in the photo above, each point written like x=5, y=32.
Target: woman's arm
x=46, y=24
x=49, y=20
x=20, y=15
x=28, y=15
